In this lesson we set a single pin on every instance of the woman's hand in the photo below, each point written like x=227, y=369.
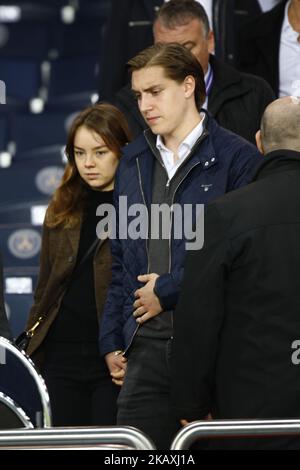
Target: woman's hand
x=116, y=364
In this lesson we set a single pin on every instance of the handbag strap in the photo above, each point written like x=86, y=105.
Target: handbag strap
x=87, y=254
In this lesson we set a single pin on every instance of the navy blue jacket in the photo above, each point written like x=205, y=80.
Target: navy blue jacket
x=221, y=162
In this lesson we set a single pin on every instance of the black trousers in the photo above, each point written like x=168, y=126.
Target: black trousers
x=144, y=399
x=80, y=388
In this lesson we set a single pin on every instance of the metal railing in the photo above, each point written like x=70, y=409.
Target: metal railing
x=112, y=438
x=29, y=366
x=16, y=410
x=233, y=428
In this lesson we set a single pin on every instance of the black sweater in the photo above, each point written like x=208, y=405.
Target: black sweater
x=77, y=319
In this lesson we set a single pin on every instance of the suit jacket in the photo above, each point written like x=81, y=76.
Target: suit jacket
x=58, y=258
x=4, y=326
x=229, y=17
x=237, y=101
x=238, y=315
x=129, y=31
x=258, y=46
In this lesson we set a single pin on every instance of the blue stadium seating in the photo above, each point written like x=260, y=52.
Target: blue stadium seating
x=33, y=131
x=3, y=133
x=72, y=76
x=22, y=77
x=29, y=179
x=57, y=3
x=20, y=245
x=28, y=40
x=79, y=39
x=23, y=212
x=19, y=285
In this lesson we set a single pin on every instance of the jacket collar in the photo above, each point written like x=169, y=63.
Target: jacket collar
x=228, y=83
x=277, y=161
x=143, y=148
x=207, y=151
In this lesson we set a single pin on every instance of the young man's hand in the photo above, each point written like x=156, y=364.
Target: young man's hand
x=116, y=364
x=147, y=304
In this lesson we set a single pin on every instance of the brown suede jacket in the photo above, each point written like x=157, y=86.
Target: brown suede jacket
x=57, y=262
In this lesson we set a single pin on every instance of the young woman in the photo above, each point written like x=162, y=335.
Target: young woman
x=75, y=272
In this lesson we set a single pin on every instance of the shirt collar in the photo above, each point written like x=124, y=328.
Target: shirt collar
x=190, y=139
x=286, y=24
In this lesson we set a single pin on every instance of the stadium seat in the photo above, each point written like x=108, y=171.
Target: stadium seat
x=29, y=179
x=3, y=133
x=19, y=285
x=23, y=212
x=24, y=41
x=79, y=39
x=69, y=77
x=33, y=131
x=20, y=245
x=57, y=3
x=22, y=77
x=94, y=9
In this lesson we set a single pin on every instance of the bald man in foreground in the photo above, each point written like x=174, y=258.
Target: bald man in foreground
x=237, y=324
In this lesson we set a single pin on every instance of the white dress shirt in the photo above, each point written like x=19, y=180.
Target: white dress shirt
x=289, y=57
x=183, y=150
x=266, y=5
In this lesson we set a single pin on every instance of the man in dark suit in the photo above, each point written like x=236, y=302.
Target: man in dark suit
x=129, y=31
x=235, y=100
x=258, y=46
x=237, y=322
x=4, y=327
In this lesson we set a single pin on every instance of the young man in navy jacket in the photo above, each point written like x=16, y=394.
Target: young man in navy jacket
x=184, y=159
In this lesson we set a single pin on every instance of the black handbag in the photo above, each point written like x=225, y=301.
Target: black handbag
x=23, y=339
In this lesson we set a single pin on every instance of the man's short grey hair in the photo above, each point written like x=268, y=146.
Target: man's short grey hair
x=180, y=12
x=280, y=125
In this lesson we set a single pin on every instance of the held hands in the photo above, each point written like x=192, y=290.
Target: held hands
x=116, y=364
x=184, y=422
x=147, y=304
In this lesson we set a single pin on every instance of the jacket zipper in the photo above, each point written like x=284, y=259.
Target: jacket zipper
x=144, y=199
x=147, y=248
x=147, y=251
x=171, y=225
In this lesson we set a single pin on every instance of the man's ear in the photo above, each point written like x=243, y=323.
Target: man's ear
x=259, y=142
x=189, y=86
x=211, y=42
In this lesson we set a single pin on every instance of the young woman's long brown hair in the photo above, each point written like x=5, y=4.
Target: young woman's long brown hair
x=68, y=201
